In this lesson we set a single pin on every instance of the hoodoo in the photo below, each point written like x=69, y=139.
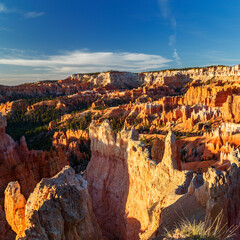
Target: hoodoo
x=127, y=188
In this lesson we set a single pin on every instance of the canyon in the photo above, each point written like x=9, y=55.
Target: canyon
x=145, y=150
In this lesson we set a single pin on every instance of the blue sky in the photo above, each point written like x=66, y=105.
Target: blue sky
x=42, y=39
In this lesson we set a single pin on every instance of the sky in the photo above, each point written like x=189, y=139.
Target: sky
x=52, y=39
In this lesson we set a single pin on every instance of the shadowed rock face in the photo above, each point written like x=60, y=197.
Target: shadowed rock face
x=5, y=229
x=128, y=189
x=170, y=151
x=58, y=208
x=219, y=193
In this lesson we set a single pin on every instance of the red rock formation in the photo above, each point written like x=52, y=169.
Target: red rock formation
x=66, y=138
x=17, y=163
x=27, y=167
x=76, y=145
x=125, y=185
x=157, y=150
x=11, y=106
x=15, y=208
x=59, y=208
x=116, y=79
x=231, y=108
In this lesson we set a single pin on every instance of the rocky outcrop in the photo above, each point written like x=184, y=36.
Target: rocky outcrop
x=157, y=150
x=127, y=188
x=11, y=106
x=170, y=151
x=174, y=79
x=116, y=79
x=38, y=89
x=179, y=77
x=70, y=138
x=76, y=145
x=59, y=208
x=219, y=193
x=231, y=108
x=15, y=207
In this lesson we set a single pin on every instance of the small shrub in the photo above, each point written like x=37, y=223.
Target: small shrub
x=183, y=155
x=207, y=230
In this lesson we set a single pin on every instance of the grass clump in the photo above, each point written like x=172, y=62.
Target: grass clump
x=207, y=230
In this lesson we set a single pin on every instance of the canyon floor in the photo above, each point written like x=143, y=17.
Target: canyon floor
x=118, y=155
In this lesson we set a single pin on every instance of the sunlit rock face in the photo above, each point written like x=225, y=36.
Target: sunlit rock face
x=15, y=207
x=127, y=188
x=59, y=208
x=71, y=141
x=116, y=79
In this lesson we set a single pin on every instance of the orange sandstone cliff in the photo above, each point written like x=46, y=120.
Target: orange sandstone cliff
x=127, y=188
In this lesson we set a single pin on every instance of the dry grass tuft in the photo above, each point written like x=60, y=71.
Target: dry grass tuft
x=208, y=230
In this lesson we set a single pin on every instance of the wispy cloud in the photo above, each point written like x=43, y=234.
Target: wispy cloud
x=167, y=14
x=92, y=60
x=176, y=56
x=172, y=40
x=164, y=7
x=3, y=29
x=27, y=14
x=2, y=8
x=33, y=14
x=83, y=61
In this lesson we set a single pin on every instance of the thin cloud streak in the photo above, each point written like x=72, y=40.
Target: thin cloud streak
x=3, y=29
x=125, y=60
x=3, y=8
x=172, y=40
x=33, y=14
x=27, y=14
x=167, y=14
x=177, y=58
x=164, y=7
x=82, y=61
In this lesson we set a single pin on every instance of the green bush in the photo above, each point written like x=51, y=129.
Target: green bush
x=81, y=123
